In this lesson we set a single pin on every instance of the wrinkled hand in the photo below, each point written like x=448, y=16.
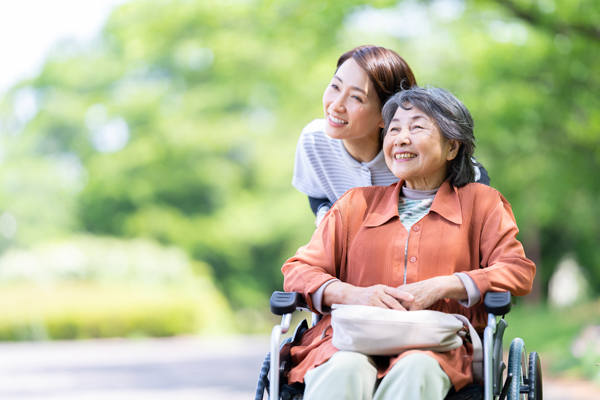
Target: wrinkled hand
x=425, y=293
x=431, y=290
x=378, y=296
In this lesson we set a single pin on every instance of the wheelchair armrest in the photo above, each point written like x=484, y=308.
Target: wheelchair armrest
x=286, y=303
x=497, y=303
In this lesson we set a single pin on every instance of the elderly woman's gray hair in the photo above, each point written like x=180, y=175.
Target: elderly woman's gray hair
x=452, y=119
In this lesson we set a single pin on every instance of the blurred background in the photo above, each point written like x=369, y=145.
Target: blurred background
x=147, y=147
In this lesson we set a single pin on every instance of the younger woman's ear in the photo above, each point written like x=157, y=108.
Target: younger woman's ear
x=454, y=147
x=381, y=123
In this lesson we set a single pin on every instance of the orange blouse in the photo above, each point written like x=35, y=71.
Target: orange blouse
x=361, y=241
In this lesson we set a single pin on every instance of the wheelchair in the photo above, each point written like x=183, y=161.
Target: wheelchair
x=523, y=380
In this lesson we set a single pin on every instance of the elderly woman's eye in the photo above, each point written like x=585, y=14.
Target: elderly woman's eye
x=417, y=127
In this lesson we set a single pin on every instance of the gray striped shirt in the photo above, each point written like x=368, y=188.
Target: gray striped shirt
x=324, y=168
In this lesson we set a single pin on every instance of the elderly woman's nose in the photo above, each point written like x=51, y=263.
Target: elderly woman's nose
x=402, y=138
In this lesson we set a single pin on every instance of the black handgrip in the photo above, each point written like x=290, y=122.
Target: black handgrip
x=497, y=303
x=286, y=303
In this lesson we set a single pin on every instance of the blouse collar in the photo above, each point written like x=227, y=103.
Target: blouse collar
x=446, y=203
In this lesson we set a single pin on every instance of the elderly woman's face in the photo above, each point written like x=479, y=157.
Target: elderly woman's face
x=416, y=151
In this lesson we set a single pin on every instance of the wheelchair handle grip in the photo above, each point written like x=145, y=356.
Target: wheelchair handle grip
x=497, y=303
x=286, y=302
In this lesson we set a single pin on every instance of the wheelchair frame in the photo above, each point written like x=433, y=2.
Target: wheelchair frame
x=522, y=378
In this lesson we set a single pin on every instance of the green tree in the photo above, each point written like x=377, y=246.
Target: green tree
x=181, y=120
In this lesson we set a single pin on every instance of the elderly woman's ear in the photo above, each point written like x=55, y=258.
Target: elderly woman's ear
x=454, y=147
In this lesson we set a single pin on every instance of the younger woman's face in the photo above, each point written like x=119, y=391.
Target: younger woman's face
x=352, y=107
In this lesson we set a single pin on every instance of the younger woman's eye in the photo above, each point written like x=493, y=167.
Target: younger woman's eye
x=333, y=85
x=357, y=98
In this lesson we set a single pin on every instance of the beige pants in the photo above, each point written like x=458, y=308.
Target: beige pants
x=353, y=376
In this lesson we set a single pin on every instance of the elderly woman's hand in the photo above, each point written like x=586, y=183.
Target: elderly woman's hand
x=377, y=296
x=431, y=290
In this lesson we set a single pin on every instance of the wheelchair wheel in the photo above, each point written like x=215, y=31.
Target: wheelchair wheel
x=535, y=377
x=517, y=364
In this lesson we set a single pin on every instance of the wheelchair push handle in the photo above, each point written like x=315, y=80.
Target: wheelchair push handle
x=286, y=302
x=497, y=303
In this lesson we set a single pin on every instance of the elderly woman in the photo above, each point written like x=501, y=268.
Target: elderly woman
x=434, y=240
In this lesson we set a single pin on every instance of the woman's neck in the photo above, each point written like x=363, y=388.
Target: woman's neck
x=424, y=184
x=431, y=181
x=363, y=149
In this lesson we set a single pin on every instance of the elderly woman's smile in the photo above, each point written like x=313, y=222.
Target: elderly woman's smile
x=404, y=156
x=415, y=149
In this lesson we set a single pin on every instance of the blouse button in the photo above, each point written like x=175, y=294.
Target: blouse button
x=413, y=259
x=416, y=228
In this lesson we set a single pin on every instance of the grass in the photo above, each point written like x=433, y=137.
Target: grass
x=552, y=332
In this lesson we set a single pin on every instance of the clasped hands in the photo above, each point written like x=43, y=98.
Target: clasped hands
x=410, y=297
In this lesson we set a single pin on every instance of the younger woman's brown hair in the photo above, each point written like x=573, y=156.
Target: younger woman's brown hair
x=386, y=69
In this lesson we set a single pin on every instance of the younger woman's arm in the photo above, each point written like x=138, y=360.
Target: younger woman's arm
x=315, y=204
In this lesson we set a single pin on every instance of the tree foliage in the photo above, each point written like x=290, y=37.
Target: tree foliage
x=180, y=122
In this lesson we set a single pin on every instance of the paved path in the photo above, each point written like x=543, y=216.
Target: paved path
x=166, y=369
x=173, y=369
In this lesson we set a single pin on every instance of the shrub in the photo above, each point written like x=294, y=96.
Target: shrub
x=91, y=287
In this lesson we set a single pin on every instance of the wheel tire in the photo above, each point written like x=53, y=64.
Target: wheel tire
x=535, y=377
x=516, y=364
